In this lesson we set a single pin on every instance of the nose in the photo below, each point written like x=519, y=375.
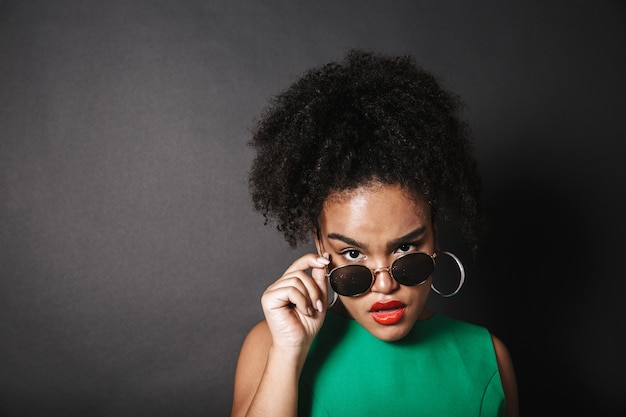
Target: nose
x=383, y=281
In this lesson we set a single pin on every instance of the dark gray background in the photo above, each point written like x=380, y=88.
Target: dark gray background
x=132, y=262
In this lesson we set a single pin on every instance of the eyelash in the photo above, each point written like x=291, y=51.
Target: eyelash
x=411, y=246
x=346, y=252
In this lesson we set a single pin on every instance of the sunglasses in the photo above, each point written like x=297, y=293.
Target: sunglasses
x=355, y=279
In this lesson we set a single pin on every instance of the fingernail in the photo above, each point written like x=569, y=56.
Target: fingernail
x=322, y=261
x=320, y=306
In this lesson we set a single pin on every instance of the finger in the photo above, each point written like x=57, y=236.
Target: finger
x=317, y=287
x=307, y=262
x=295, y=278
x=321, y=281
x=313, y=289
x=287, y=297
x=309, y=287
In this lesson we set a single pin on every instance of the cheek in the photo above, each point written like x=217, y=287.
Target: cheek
x=352, y=303
x=415, y=295
x=423, y=290
x=356, y=306
x=418, y=294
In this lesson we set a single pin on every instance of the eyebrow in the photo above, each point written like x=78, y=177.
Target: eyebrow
x=411, y=236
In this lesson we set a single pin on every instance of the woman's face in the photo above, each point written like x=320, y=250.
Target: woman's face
x=373, y=225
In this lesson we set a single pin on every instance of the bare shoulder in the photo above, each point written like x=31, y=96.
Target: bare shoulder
x=507, y=376
x=254, y=350
x=258, y=335
x=250, y=366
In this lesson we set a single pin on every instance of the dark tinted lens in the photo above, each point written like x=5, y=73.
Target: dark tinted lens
x=351, y=280
x=413, y=269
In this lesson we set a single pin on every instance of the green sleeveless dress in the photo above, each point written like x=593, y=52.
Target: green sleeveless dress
x=443, y=367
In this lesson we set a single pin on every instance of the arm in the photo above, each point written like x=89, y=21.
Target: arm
x=274, y=352
x=259, y=376
x=507, y=376
x=266, y=380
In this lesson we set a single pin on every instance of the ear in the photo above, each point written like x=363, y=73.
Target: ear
x=436, y=237
x=317, y=239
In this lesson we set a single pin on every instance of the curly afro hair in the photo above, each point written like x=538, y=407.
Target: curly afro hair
x=369, y=118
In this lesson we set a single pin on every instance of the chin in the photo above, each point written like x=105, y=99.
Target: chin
x=390, y=333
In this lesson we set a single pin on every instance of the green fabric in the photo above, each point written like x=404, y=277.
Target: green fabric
x=443, y=367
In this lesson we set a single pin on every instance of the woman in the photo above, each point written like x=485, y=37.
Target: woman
x=364, y=157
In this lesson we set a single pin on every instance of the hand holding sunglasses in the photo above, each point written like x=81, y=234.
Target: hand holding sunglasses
x=293, y=304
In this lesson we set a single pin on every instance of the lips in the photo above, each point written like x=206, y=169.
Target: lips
x=388, y=313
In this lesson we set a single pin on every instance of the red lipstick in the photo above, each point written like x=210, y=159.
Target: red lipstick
x=387, y=313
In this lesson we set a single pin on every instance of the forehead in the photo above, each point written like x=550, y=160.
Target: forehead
x=376, y=208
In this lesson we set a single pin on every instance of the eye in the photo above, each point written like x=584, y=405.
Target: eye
x=351, y=254
x=406, y=247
